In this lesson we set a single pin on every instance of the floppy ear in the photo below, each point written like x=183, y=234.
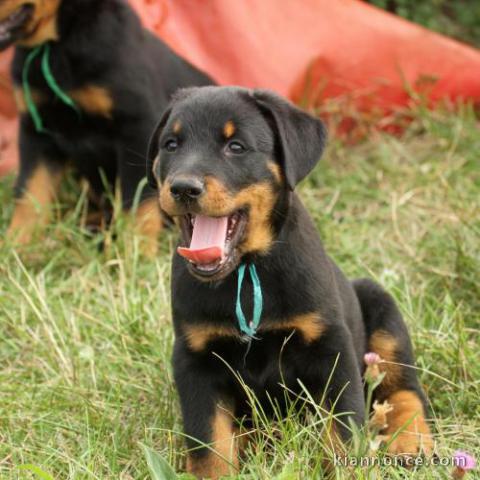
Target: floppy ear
x=301, y=136
x=154, y=148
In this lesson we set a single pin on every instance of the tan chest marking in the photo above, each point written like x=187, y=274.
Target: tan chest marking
x=309, y=325
x=198, y=336
x=94, y=99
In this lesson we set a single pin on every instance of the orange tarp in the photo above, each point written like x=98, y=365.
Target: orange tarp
x=310, y=49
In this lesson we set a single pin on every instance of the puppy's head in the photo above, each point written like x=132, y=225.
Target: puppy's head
x=27, y=22
x=224, y=160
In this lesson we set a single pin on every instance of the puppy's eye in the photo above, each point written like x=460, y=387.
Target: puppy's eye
x=236, y=147
x=170, y=145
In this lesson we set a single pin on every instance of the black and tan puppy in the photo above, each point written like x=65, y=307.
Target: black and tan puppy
x=89, y=82
x=251, y=272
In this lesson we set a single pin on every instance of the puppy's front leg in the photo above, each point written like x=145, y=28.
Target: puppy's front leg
x=207, y=416
x=340, y=372
x=41, y=167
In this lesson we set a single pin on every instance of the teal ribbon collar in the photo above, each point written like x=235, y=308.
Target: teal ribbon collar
x=43, y=50
x=250, y=328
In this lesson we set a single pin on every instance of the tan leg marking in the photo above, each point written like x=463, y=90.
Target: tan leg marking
x=224, y=461
x=148, y=225
x=407, y=406
x=408, y=418
x=32, y=210
x=385, y=345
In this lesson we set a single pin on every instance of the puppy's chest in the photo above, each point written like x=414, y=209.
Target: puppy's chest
x=81, y=123
x=262, y=361
x=275, y=354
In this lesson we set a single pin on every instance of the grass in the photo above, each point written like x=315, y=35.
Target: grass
x=86, y=337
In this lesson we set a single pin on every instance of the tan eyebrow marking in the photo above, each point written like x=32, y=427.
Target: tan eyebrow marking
x=177, y=126
x=229, y=129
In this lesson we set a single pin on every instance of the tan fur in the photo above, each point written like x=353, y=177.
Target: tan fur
x=32, y=210
x=259, y=197
x=309, y=325
x=229, y=129
x=218, y=201
x=177, y=127
x=43, y=25
x=198, y=336
x=224, y=461
x=37, y=97
x=385, y=345
x=155, y=171
x=148, y=225
x=407, y=417
x=276, y=172
x=94, y=99
x=167, y=203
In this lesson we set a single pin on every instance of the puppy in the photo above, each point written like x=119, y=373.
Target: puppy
x=89, y=81
x=253, y=290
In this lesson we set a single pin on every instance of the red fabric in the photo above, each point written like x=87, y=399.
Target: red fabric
x=308, y=50
x=340, y=47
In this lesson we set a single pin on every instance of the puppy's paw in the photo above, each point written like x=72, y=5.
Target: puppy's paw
x=411, y=444
x=407, y=428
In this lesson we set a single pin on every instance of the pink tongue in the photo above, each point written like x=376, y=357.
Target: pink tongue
x=208, y=240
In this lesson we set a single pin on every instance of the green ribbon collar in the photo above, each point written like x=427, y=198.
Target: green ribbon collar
x=43, y=50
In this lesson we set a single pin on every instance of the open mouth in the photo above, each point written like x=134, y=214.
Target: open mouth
x=209, y=243
x=12, y=27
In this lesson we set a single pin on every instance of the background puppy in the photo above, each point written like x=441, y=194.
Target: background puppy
x=89, y=81
x=227, y=161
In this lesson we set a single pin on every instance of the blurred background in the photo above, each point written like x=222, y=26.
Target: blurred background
x=458, y=19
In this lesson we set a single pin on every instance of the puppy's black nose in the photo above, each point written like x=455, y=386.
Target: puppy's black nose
x=186, y=188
